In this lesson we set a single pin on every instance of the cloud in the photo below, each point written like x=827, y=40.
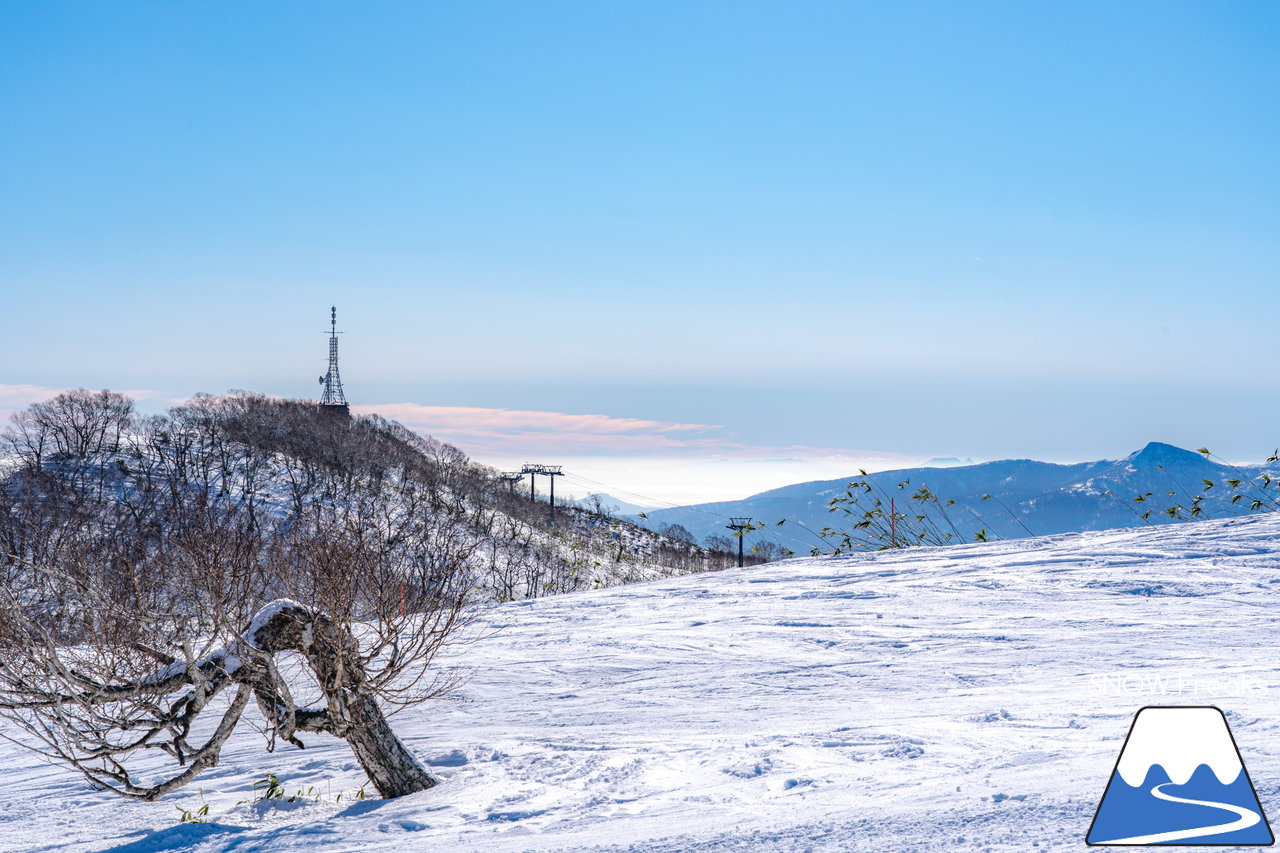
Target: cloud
x=666, y=480
x=15, y=398
x=672, y=462
x=524, y=421
x=511, y=433
x=21, y=396
x=481, y=431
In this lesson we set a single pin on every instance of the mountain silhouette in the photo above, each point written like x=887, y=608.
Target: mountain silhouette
x=1028, y=497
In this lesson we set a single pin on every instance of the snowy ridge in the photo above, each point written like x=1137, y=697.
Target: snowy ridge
x=1179, y=740
x=1030, y=497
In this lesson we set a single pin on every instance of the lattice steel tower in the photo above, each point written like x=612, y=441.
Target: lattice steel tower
x=333, y=400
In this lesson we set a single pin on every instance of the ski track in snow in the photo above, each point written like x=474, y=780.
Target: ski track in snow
x=926, y=699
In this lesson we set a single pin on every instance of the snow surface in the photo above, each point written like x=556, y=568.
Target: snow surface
x=965, y=698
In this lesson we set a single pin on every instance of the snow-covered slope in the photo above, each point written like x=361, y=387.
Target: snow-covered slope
x=965, y=698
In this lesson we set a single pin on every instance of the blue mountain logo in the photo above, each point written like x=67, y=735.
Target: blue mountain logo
x=1180, y=780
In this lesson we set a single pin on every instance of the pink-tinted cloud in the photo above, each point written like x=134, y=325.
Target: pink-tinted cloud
x=21, y=396
x=481, y=431
x=15, y=398
x=511, y=433
x=465, y=417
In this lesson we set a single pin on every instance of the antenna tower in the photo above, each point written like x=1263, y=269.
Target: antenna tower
x=333, y=400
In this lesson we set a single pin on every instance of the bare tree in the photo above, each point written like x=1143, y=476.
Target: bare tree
x=145, y=607
x=596, y=505
x=76, y=425
x=770, y=551
x=677, y=531
x=163, y=579
x=719, y=542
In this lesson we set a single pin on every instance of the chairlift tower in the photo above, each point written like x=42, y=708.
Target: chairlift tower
x=551, y=471
x=533, y=471
x=511, y=478
x=740, y=526
x=333, y=400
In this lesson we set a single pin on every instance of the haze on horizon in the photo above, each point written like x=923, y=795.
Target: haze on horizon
x=693, y=251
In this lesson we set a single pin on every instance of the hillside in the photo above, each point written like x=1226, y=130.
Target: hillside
x=1027, y=497
x=259, y=463
x=962, y=698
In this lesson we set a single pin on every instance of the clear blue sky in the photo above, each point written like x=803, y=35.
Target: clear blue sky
x=792, y=229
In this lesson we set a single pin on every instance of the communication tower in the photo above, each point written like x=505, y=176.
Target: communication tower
x=333, y=400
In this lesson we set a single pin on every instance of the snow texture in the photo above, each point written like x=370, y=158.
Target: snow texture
x=965, y=698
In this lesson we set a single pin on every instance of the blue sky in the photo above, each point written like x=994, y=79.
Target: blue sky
x=756, y=243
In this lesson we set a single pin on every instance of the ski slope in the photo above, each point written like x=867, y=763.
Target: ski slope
x=966, y=698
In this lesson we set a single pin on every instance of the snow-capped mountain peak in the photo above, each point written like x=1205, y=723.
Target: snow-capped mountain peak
x=1159, y=453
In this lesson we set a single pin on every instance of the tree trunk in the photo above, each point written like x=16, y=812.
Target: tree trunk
x=391, y=767
x=352, y=706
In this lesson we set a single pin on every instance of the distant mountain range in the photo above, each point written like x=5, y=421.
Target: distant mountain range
x=947, y=462
x=1026, y=497
x=613, y=506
